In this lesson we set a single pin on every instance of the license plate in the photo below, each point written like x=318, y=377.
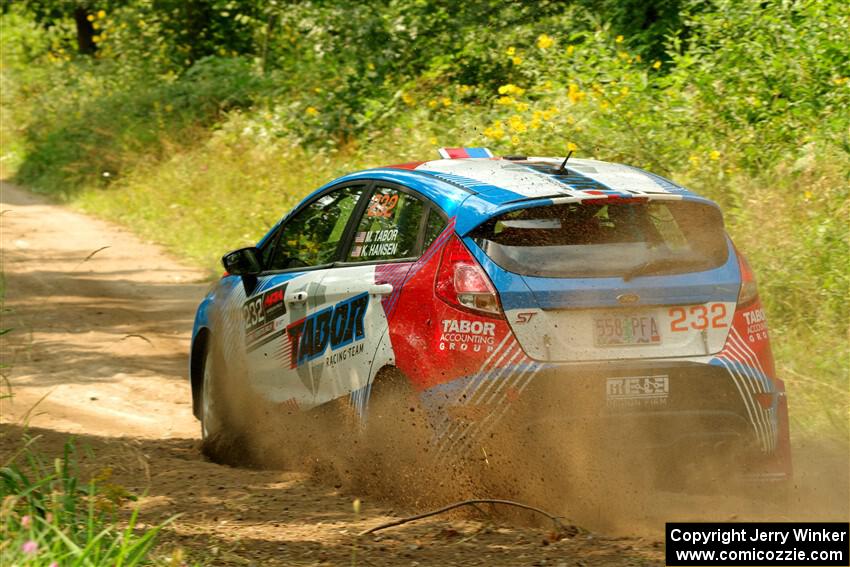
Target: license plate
x=630, y=391
x=626, y=330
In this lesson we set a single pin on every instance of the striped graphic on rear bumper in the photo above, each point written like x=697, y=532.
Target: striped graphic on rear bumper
x=749, y=377
x=507, y=370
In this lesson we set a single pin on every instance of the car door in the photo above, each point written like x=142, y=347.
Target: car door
x=385, y=242
x=282, y=315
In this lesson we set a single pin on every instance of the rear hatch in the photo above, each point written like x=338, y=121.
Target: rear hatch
x=613, y=278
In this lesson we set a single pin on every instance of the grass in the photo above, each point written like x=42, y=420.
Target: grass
x=49, y=517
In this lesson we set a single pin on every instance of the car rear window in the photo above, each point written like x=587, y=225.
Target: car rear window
x=606, y=239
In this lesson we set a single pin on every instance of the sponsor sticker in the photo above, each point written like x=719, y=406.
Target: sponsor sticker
x=634, y=391
x=262, y=309
x=756, y=325
x=335, y=327
x=467, y=335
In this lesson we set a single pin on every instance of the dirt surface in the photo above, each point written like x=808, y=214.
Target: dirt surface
x=99, y=349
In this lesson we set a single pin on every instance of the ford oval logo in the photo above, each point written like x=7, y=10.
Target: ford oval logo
x=628, y=298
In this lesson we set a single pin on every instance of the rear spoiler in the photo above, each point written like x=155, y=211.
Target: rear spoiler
x=479, y=211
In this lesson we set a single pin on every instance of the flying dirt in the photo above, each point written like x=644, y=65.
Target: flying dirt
x=99, y=350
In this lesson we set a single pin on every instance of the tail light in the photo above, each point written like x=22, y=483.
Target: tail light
x=462, y=283
x=749, y=289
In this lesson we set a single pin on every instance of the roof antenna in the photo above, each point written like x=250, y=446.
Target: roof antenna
x=562, y=169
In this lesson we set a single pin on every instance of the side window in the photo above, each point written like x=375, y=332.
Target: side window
x=435, y=226
x=310, y=238
x=389, y=228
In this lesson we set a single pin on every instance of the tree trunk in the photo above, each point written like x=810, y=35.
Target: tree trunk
x=85, y=32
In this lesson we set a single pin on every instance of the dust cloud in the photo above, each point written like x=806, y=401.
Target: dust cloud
x=597, y=475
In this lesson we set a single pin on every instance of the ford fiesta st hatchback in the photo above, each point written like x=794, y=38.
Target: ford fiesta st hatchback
x=479, y=281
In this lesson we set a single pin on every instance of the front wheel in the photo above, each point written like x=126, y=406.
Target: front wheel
x=210, y=424
x=219, y=437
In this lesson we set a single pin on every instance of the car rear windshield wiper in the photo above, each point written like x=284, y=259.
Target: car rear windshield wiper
x=662, y=263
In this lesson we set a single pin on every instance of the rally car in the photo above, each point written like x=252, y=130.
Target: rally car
x=482, y=280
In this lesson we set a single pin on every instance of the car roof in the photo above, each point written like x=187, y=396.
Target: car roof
x=474, y=189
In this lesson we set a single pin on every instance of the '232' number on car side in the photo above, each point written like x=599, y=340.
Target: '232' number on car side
x=252, y=312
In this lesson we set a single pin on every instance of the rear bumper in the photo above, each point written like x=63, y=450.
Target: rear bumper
x=695, y=413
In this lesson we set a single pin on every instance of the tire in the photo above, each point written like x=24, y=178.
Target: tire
x=210, y=424
x=221, y=441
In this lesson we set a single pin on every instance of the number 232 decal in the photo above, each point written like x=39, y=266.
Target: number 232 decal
x=699, y=317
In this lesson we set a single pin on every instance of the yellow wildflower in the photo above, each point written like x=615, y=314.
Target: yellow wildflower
x=515, y=140
x=619, y=39
x=90, y=18
x=571, y=147
x=638, y=58
x=549, y=113
x=511, y=51
x=714, y=155
x=432, y=103
x=96, y=38
x=622, y=55
x=656, y=65
x=544, y=41
x=535, y=123
x=101, y=14
x=574, y=93
x=446, y=101
x=522, y=106
x=505, y=100
x=370, y=66
x=317, y=90
x=312, y=111
x=517, y=124
x=495, y=132
x=407, y=99
x=570, y=49
x=694, y=160
x=432, y=140
x=807, y=195
x=604, y=105
x=516, y=60
x=511, y=89
x=624, y=91
x=464, y=89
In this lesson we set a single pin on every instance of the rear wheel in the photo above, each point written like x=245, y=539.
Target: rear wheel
x=398, y=439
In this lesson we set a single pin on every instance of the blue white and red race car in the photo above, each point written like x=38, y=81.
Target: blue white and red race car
x=482, y=279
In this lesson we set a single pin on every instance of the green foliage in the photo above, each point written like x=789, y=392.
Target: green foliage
x=48, y=517
x=181, y=113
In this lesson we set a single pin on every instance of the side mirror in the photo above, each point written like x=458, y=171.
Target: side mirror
x=243, y=262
